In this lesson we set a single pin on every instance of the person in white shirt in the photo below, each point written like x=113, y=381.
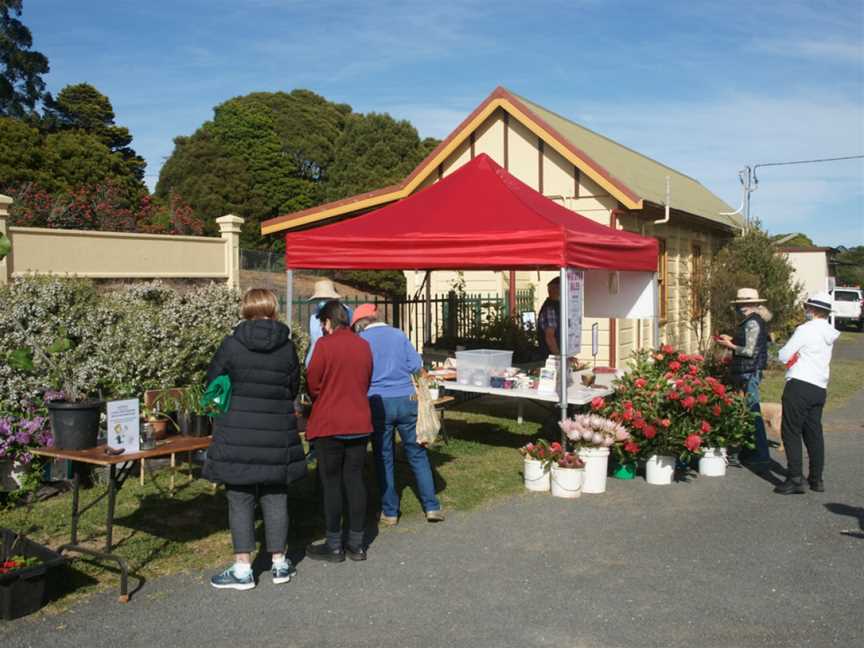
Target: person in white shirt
x=807, y=356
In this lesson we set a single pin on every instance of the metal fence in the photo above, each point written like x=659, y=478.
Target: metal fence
x=451, y=315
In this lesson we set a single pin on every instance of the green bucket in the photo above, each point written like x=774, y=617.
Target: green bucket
x=625, y=471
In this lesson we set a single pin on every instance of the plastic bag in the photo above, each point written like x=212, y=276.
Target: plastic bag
x=428, y=419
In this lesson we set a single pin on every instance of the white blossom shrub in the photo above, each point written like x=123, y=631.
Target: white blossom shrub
x=143, y=336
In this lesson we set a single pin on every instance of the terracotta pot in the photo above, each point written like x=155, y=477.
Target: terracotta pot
x=160, y=428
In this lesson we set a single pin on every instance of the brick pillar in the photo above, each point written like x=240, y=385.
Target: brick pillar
x=229, y=230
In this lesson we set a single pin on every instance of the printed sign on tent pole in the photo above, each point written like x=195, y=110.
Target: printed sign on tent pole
x=574, y=294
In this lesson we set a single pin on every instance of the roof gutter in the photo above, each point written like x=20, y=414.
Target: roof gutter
x=667, y=208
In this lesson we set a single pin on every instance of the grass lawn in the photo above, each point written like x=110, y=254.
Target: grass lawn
x=845, y=376
x=159, y=535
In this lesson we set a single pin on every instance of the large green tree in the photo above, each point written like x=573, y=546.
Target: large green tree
x=850, y=266
x=21, y=68
x=266, y=154
x=750, y=260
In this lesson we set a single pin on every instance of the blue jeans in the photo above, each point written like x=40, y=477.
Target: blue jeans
x=389, y=414
x=750, y=384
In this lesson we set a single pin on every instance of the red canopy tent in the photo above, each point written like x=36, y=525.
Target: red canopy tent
x=480, y=217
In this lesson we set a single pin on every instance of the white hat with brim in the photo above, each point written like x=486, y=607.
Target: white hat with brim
x=820, y=300
x=747, y=296
x=324, y=289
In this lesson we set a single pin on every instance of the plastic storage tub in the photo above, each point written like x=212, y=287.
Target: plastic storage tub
x=24, y=591
x=475, y=367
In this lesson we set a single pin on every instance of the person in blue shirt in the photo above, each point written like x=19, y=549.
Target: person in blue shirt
x=394, y=406
x=324, y=292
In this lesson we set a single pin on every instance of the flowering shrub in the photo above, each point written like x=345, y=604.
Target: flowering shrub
x=140, y=337
x=672, y=406
x=593, y=431
x=570, y=460
x=104, y=206
x=19, y=434
x=542, y=451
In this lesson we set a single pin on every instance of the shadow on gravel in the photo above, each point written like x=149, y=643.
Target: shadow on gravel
x=856, y=512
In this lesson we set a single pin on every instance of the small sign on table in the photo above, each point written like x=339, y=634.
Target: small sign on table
x=123, y=425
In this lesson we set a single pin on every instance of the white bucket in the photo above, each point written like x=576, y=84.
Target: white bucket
x=596, y=466
x=433, y=393
x=659, y=470
x=536, y=475
x=567, y=482
x=712, y=463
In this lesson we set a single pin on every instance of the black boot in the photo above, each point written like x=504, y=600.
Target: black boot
x=816, y=485
x=326, y=552
x=791, y=487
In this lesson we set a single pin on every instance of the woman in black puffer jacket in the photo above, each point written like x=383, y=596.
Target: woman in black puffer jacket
x=256, y=451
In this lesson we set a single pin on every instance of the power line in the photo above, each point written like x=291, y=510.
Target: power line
x=833, y=159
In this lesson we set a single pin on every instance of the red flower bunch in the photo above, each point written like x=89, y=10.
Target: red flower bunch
x=672, y=405
x=542, y=451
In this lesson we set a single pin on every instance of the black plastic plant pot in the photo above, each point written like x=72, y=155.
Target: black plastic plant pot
x=25, y=591
x=200, y=425
x=75, y=425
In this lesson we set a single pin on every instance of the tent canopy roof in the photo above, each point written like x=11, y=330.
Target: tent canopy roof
x=479, y=217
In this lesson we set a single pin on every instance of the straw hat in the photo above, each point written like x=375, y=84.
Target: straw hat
x=747, y=296
x=820, y=300
x=324, y=289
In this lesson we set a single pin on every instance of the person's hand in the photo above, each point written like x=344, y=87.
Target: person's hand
x=724, y=341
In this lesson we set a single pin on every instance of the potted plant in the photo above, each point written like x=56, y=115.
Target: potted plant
x=74, y=416
x=567, y=476
x=18, y=436
x=592, y=436
x=673, y=408
x=192, y=418
x=25, y=568
x=537, y=459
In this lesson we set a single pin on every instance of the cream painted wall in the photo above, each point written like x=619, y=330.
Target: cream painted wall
x=810, y=269
x=111, y=255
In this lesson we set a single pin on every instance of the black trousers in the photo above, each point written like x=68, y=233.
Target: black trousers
x=802, y=418
x=340, y=464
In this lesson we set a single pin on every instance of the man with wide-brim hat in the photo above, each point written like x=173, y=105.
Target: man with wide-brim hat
x=749, y=348
x=324, y=291
x=807, y=356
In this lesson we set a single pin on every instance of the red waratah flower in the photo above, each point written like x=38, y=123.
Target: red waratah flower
x=665, y=423
x=628, y=404
x=705, y=427
x=679, y=383
x=667, y=348
x=673, y=395
x=693, y=370
x=702, y=399
x=627, y=415
x=697, y=357
x=688, y=403
x=718, y=388
x=692, y=442
x=668, y=375
x=715, y=410
x=727, y=400
x=597, y=403
x=674, y=365
x=632, y=447
x=640, y=383
x=639, y=424
x=649, y=432
x=687, y=389
x=555, y=447
x=683, y=357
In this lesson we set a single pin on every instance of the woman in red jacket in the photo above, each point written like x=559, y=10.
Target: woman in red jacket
x=340, y=424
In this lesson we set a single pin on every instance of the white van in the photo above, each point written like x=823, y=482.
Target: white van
x=848, y=307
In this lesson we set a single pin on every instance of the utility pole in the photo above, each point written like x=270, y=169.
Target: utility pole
x=750, y=181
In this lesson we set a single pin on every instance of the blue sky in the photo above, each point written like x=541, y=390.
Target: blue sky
x=705, y=87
